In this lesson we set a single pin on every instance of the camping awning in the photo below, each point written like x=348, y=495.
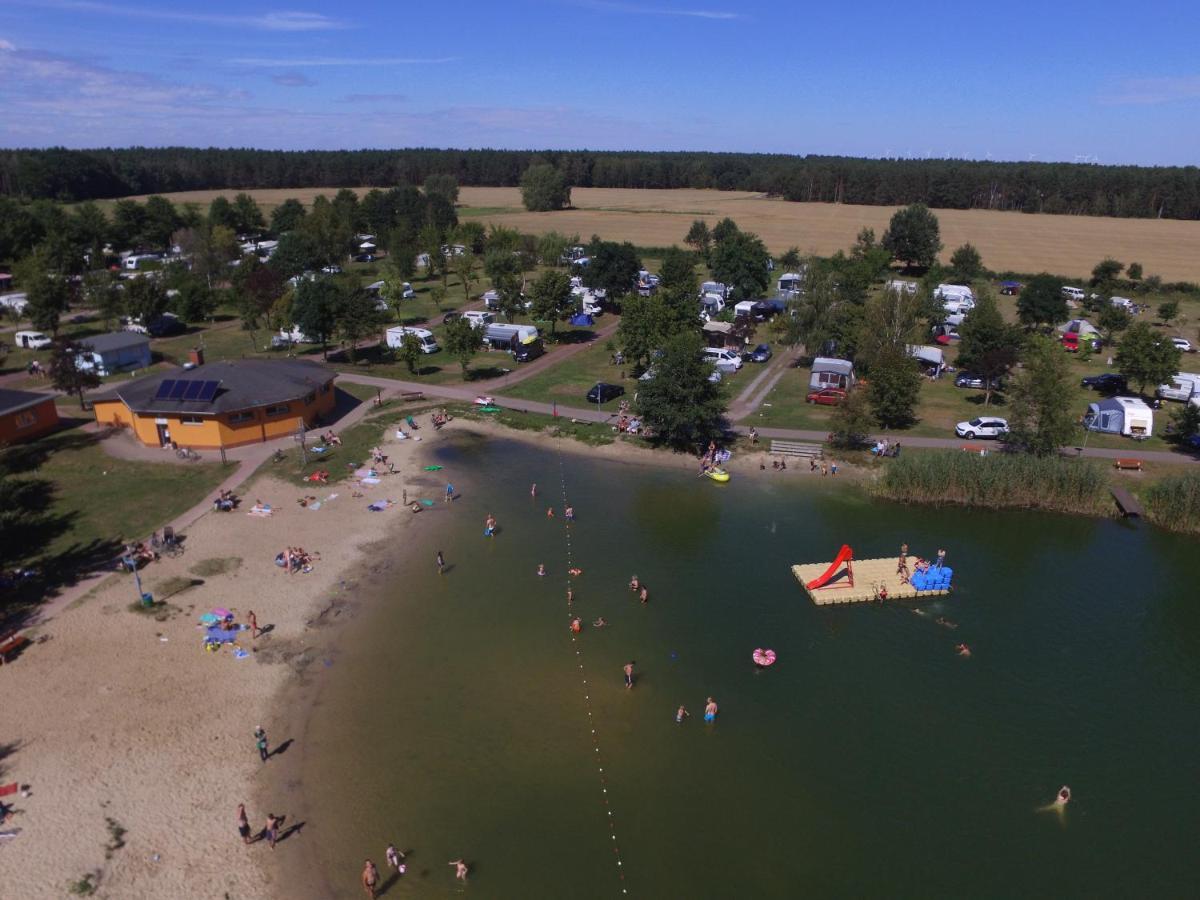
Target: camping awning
x=582, y=319
x=718, y=327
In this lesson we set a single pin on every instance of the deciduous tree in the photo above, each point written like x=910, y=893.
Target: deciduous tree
x=552, y=298
x=681, y=406
x=544, y=188
x=614, y=267
x=851, y=421
x=287, y=216
x=1040, y=417
x=913, y=236
x=740, y=261
x=463, y=341
x=699, y=238
x=1168, y=311
x=966, y=263
x=989, y=345
x=444, y=186
x=1145, y=357
x=1041, y=302
x=315, y=309
x=65, y=373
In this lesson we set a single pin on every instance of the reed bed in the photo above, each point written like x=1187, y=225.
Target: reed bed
x=1174, y=502
x=998, y=480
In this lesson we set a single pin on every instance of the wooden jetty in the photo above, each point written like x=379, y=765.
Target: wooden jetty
x=856, y=580
x=1126, y=502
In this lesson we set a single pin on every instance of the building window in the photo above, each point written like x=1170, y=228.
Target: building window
x=281, y=409
x=309, y=399
x=191, y=420
x=239, y=417
x=26, y=419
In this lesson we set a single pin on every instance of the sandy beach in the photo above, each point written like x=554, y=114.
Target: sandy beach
x=129, y=733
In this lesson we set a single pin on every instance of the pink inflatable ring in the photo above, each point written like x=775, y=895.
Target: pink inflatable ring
x=764, y=657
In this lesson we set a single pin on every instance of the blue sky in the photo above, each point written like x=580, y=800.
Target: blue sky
x=1023, y=80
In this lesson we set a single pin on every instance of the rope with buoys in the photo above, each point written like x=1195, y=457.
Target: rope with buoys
x=587, y=698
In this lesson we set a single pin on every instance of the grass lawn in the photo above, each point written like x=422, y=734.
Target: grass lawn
x=569, y=382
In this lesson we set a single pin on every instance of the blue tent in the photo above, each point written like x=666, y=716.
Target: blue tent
x=582, y=319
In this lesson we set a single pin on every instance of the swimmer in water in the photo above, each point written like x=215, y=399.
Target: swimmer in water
x=710, y=709
x=633, y=583
x=644, y=594
x=570, y=596
x=963, y=650
x=569, y=513
x=550, y=512
x=629, y=675
x=575, y=573
x=599, y=623
x=541, y=568
x=946, y=623
x=576, y=626
x=1061, y=799
x=681, y=713
x=533, y=490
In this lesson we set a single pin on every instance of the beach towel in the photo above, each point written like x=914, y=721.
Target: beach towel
x=260, y=513
x=316, y=504
x=319, y=449
x=370, y=481
x=331, y=497
x=400, y=435
x=362, y=473
x=379, y=505
x=209, y=619
x=221, y=635
x=427, y=502
x=239, y=653
x=433, y=468
x=6, y=789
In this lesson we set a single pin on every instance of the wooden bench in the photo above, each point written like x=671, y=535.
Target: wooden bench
x=977, y=449
x=412, y=396
x=10, y=643
x=1131, y=464
x=797, y=449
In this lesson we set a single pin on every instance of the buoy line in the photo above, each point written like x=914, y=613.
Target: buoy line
x=587, y=699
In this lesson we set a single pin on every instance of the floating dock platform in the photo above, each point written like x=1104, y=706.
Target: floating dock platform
x=856, y=580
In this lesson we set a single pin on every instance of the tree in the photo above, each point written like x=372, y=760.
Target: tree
x=642, y=331
x=503, y=267
x=1040, y=417
x=989, y=345
x=438, y=295
x=740, y=261
x=1186, y=421
x=402, y=250
x=966, y=263
x=680, y=405
x=463, y=341
x=249, y=216
x=287, y=216
x=464, y=268
x=256, y=289
x=145, y=300
x=699, y=238
x=724, y=230
x=791, y=260
x=1041, y=301
x=100, y=292
x=444, y=186
x=1168, y=311
x=410, y=352
x=851, y=421
x=221, y=212
x=211, y=249
x=47, y=292
x=1134, y=271
x=471, y=235
x=1105, y=273
x=296, y=252
x=316, y=306
x=65, y=374
x=441, y=214
x=613, y=268
x=894, y=388
x=91, y=231
x=357, y=316
x=128, y=219
x=544, y=188
x=195, y=302
x=1145, y=357
x=1111, y=320
x=552, y=246
x=913, y=236
x=552, y=298
x=159, y=221
x=330, y=229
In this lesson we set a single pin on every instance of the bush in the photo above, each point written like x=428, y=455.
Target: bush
x=1174, y=502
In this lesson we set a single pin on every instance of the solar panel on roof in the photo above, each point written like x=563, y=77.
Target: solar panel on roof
x=193, y=390
x=178, y=389
x=164, y=389
x=209, y=391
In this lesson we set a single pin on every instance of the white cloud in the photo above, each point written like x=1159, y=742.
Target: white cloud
x=268, y=63
x=7, y=45
x=270, y=21
x=1153, y=91
x=638, y=9
x=293, y=79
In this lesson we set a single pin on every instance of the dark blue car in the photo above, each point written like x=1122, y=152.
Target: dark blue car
x=759, y=354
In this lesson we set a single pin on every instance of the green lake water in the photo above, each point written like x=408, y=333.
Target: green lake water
x=870, y=761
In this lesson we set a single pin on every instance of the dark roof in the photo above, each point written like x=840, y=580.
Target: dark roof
x=116, y=340
x=244, y=384
x=15, y=401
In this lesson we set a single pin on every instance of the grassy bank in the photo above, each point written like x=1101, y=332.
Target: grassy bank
x=1174, y=502
x=998, y=480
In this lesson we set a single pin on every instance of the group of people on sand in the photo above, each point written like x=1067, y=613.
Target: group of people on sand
x=138, y=554
x=438, y=418
x=226, y=501
x=331, y=439
x=269, y=833
x=295, y=559
x=711, y=458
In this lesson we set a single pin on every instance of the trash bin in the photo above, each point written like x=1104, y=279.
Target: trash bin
x=147, y=599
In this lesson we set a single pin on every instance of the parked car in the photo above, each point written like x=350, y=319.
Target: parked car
x=365, y=257
x=450, y=317
x=759, y=354
x=602, y=392
x=1183, y=344
x=332, y=270
x=982, y=427
x=826, y=396
x=1105, y=383
x=971, y=380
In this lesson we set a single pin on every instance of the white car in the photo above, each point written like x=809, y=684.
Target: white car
x=1182, y=343
x=478, y=318
x=982, y=427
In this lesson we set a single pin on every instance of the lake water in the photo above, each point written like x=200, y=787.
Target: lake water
x=870, y=761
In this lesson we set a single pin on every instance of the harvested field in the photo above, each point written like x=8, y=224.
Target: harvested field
x=1066, y=245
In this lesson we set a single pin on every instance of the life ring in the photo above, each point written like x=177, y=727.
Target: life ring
x=763, y=657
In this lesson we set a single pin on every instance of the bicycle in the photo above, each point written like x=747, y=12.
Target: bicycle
x=188, y=454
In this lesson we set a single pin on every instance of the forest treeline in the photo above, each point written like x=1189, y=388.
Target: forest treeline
x=1070, y=188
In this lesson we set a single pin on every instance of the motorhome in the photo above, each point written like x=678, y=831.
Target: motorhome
x=957, y=292
x=135, y=261
x=1183, y=386
x=478, y=318
x=791, y=283
x=899, y=286
x=425, y=339
x=509, y=337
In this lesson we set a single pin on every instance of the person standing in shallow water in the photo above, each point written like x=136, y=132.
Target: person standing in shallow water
x=629, y=674
x=441, y=563
x=370, y=878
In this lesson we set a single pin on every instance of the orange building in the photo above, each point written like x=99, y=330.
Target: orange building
x=221, y=404
x=25, y=415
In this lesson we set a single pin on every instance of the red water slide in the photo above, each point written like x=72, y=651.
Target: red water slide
x=845, y=555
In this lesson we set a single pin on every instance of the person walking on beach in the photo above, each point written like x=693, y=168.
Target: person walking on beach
x=460, y=869
x=253, y=621
x=370, y=878
x=441, y=563
x=629, y=674
x=271, y=831
x=449, y=492
x=243, y=824
x=260, y=741
x=394, y=859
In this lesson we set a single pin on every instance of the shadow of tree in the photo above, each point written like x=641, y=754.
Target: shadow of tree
x=7, y=749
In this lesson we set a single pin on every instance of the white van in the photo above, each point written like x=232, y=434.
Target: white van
x=479, y=319
x=959, y=292
x=31, y=340
x=1073, y=293
x=425, y=338
x=726, y=360
x=1124, y=303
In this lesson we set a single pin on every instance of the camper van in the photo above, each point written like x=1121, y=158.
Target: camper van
x=1124, y=303
x=899, y=286
x=714, y=287
x=790, y=283
x=959, y=292
x=1183, y=387
x=1073, y=293
x=31, y=340
x=136, y=261
x=425, y=339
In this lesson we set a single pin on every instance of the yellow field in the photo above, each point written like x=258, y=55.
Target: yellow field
x=1067, y=245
